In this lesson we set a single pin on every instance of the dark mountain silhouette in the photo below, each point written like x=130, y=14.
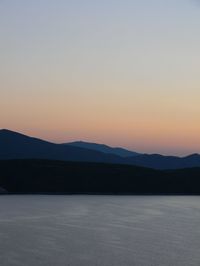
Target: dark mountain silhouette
x=14, y=145
x=58, y=177
x=103, y=148
x=158, y=161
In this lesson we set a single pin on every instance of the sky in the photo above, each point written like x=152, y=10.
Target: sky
x=125, y=73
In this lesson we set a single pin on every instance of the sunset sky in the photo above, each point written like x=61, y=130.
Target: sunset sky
x=125, y=73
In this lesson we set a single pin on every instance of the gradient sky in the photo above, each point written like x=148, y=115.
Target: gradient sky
x=124, y=73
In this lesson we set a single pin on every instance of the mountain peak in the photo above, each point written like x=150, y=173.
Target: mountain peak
x=193, y=155
x=5, y=130
x=103, y=148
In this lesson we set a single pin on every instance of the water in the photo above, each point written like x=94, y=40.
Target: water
x=99, y=231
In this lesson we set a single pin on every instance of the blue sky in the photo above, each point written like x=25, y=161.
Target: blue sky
x=121, y=72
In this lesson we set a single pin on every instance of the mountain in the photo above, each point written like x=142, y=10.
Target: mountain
x=14, y=145
x=58, y=177
x=158, y=161
x=103, y=148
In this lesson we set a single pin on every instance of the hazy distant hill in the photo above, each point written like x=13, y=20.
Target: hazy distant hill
x=158, y=161
x=43, y=176
x=103, y=148
x=18, y=146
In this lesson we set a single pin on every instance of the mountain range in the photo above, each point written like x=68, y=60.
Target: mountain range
x=14, y=145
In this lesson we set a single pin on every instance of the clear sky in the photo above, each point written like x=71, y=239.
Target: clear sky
x=124, y=73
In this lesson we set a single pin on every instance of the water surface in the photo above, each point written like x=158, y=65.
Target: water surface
x=99, y=231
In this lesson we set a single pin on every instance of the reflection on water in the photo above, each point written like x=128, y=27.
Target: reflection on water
x=99, y=230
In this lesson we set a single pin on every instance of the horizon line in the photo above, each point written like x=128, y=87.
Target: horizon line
x=91, y=142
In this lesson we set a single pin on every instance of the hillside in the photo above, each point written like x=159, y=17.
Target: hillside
x=44, y=176
x=103, y=148
x=14, y=145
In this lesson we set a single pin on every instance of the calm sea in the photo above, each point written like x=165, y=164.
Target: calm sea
x=99, y=230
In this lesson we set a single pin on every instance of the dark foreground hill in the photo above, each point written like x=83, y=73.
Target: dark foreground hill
x=58, y=177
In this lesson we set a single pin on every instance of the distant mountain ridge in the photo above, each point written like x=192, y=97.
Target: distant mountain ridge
x=14, y=145
x=103, y=148
x=158, y=161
